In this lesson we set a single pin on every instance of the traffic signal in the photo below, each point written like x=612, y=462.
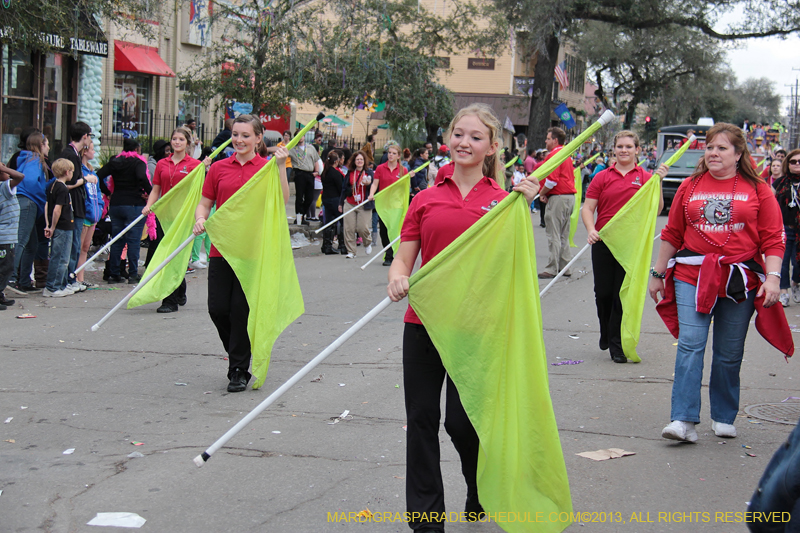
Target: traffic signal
x=649, y=123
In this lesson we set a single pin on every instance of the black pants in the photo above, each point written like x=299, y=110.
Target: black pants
x=179, y=294
x=227, y=306
x=304, y=191
x=423, y=375
x=385, y=240
x=608, y=277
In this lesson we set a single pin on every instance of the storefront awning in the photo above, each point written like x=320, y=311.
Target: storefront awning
x=129, y=57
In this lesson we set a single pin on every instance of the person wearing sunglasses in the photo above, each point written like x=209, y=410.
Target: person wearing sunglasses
x=787, y=191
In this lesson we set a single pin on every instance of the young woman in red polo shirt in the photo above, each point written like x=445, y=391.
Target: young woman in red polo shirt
x=609, y=190
x=436, y=217
x=227, y=304
x=386, y=174
x=168, y=173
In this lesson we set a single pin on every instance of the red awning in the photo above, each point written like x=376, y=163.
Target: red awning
x=129, y=57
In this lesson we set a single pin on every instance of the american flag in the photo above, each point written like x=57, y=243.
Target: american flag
x=561, y=75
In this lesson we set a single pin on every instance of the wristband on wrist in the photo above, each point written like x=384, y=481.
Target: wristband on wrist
x=778, y=274
x=656, y=274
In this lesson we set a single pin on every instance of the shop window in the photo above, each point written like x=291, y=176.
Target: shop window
x=131, y=105
x=188, y=105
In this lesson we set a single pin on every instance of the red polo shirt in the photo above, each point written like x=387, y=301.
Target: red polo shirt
x=168, y=174
x=612, y=190
x=438, y=215
x=445, y=172
x=225, y=177
x=563, y=176
x=386, y=177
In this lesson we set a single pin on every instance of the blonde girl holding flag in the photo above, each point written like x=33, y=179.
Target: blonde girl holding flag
x=436, y=217
x=227, y=304
x=609, y=190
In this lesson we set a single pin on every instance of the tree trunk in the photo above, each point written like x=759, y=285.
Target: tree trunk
x=539, y=114
x=432, y=130
x=630, y=111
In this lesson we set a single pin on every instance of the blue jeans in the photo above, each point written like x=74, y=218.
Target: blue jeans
x=77, y=231
x=789, y=257
x=731, y=321
x=27, y=241
x=121, y=216
x=374, y=221
x=60, y=248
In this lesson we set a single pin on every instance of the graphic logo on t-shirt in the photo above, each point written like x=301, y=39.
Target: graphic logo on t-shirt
x=717, y=211
x=637, y=181
x=489, y=207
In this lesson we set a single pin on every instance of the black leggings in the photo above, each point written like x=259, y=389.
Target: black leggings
x=385, y=240
x=608, y=277
x=423, y=375
x=304, y=191
x=227, y=306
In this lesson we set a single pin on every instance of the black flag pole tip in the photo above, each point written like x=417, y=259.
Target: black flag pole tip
x=320, y=116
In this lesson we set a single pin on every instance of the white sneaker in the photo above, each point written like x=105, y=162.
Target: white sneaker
x=784, y=297
x=796, y=293
x=55, y=294
x=723, y=430
x=350, y=256
x=76, y=287
x=198, y=264
x=680, y=430
x=368, y=250
x=69, y=290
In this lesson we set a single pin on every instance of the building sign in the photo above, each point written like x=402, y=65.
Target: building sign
x=479, y=63
x=524, y=84
x=196, y=21
x=93, y=43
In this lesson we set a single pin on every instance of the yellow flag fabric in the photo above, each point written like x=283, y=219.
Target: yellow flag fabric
x=391, y=204
x=629, y=236
x=479, y=301
x=175, y=212
x=251, y=232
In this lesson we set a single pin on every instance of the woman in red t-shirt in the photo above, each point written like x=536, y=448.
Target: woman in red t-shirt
x=227, y=304
x=356, y=190
x=168, y=173
x=435, y=218
x=608, y=192
x=722, y=221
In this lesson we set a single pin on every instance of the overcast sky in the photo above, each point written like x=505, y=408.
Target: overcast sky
x=768, y=58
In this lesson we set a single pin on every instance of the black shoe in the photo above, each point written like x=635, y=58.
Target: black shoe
x=542, y=225
x=114, y=279
x=473, y=508
x=167, y=308
x=238, y=381
x=5, y=301
x=305, y=222
x=27, y=288
x=133, y=279
x=330, y=251
x=619, y=358
x=565, y=275
x=342, y=251
x=603, y=344
x=182, y=301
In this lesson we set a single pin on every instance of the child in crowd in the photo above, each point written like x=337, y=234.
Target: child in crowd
x=58, y=228
x=9, y=226
x=519, y=173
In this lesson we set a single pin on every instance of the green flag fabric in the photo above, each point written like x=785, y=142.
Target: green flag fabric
x=175, y=212
x=392, y=204
x=251, y=232
x=487, y=328
x=629, y=236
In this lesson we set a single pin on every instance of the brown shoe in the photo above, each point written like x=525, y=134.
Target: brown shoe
x=546, y=275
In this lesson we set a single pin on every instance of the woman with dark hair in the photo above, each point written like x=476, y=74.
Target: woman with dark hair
x=227, y=303
x=356, y=190
x=787, y=192
x=724, y=220
x=161, y=149
x=332, y=179
x=131, y=187
x=406, y=161
x=420, y=180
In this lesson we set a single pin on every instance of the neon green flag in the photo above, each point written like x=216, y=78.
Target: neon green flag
x=392, y=204
x=251, y=233
x=175, y=212
x=576, y=210
x=498, y=365
x=629, y=236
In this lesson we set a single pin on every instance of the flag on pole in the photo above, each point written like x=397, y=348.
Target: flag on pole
x=566, y=117
x=261, y=257
x=629, y=236
x=391, y=204
x=488, y=331
x=508, y=125
x=561, y=75
x=175, y=212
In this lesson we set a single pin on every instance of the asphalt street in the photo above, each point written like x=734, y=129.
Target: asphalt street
x=160, y=380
